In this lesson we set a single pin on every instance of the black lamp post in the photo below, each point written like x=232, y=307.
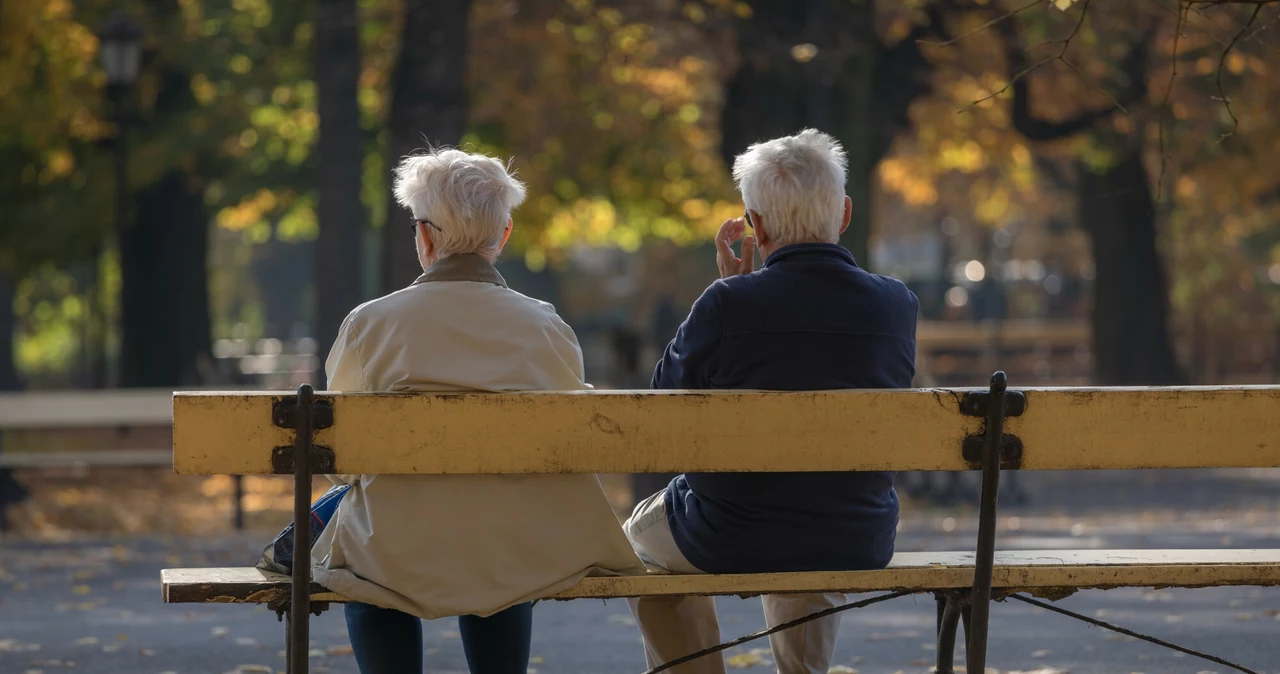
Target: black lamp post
x=120, y=51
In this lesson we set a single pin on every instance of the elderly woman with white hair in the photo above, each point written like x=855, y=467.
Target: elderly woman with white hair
x=405, y=548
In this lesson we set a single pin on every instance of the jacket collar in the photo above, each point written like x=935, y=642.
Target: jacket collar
x=811, y=251
x=463, y=267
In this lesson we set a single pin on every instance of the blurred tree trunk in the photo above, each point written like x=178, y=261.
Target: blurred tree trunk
x=9, y=380
x=428, y=105
x=853, y=87
x=1130, y=301
x=341, y=158
x=164, y=298
x=1131, y=342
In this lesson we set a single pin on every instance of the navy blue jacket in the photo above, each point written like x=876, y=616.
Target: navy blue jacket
x=811, y=319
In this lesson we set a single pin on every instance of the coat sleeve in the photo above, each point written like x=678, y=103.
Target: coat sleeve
x=689, y=360
x=344, y=367
x=345, y=371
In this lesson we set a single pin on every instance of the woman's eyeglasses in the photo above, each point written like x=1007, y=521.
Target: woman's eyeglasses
x=413, y=224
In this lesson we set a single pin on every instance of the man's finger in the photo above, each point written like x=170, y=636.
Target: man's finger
x=748, y=254
x=723, y=247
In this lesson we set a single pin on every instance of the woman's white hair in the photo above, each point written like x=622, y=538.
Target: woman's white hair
x=469, y=197
x=797, y=184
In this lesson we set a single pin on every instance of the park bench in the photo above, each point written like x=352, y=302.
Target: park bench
x=100, y=425
x=991, y=430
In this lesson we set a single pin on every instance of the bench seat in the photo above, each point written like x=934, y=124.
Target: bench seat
x=1050, y=573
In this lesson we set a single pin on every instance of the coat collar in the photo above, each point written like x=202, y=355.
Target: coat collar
x=463, y=267
x=811, y=250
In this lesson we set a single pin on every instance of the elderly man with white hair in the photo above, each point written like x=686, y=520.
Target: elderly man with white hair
x=810, y=319
x=407, y=547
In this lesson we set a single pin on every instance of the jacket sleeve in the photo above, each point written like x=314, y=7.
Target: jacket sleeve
x=344, y=368
x=689, y=360
x=345, y=372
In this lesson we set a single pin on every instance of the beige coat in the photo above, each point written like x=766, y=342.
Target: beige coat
x=437, y=546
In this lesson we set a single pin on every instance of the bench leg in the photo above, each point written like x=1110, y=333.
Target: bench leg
x=979, y=606
x=300, y=599
x=237, y=482
x=948, y=621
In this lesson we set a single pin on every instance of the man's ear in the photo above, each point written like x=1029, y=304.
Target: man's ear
x=757, y=224
x=506, y=233
x=848, y=213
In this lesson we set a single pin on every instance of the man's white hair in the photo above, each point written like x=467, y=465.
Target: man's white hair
x=796, y=183
x=469, y=197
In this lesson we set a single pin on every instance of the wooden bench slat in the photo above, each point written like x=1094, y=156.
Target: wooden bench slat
x=91, y=457
x=698, y=431
x=1036, y=571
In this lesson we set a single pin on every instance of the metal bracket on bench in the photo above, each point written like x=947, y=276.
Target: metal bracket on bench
x=1010, y=451
x=322, y=460
x=978, y=404
x=975, y=403
x=284, y=413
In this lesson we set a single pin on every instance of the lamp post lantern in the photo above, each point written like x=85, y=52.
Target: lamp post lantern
x=120, y=49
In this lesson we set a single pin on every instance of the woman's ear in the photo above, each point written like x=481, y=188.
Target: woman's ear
x=506, y=233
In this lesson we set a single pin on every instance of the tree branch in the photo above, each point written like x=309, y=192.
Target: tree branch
x=1065, y=42
x=1222, y=95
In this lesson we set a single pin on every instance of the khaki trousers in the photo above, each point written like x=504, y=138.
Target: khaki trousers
x=676, y=626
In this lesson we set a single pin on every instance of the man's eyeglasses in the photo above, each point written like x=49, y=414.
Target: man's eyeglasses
x=413, y=224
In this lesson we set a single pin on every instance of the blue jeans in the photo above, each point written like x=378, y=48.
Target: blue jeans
x=386, y=641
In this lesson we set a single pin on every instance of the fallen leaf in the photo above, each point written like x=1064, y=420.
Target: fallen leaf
x=146, y=652
x=432, y=651
x=537, y=660
x=219, y=632
x=1242, y=617
x=35, y=671
x=622, y=619
x=744, y=660
x=1171, y=619
x=118, y=585
x=253, y=669
x=1042, y=653
x=448, y=635
x=87, y=641
x=315, y=653
x=111, y=648
x=246, y=641
x=1275, y=613
x=531, y=670
x=342, y=649
x=929, y=647
x=920, y=662
x=841, y=669
x=122, y=637
x=81, y=590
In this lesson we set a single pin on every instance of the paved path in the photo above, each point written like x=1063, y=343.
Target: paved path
x=97, y=603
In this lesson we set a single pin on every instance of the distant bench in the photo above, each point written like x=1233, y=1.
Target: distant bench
x=742, y=431
x=65, y=417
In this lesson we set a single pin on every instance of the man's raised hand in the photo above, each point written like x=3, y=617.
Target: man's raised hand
x=730, y=264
